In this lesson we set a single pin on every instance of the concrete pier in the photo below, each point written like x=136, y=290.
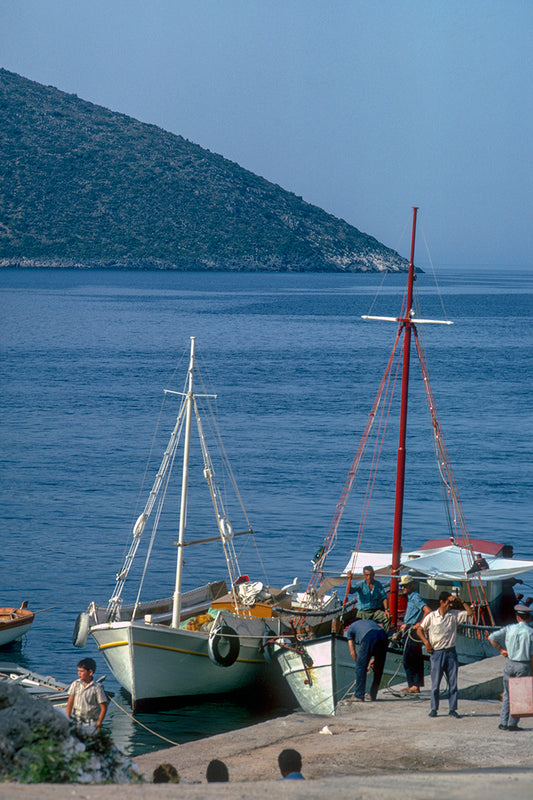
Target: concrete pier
x=367, y=751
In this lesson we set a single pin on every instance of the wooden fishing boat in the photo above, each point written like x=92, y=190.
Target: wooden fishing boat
x=14, y=623
x=318, y=667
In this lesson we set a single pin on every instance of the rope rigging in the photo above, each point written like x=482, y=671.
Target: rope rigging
x=156, y=499
x=317, y=575
x=376, y=425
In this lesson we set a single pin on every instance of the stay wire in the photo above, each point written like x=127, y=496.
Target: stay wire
x=149, y=461
x=380, y=287
x=439, y=293
x=212, y=423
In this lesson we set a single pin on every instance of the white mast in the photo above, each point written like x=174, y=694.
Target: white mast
x=176, y=604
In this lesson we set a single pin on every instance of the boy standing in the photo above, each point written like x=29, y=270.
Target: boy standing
x=87, y=699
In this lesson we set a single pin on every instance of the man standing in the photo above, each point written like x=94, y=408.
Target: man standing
x=413, y=660
x=438, y=632
x=372, y=641
x=373, y=600
x=515, y=642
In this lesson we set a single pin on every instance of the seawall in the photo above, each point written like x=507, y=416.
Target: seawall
x=367, y=751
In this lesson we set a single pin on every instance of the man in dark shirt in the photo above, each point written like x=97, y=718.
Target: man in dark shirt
x=371, y=640
x=373, y=599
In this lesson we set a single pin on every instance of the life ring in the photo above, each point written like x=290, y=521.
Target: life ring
x=223, y=646
x=81, y=629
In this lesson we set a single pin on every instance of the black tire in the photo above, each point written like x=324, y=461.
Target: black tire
x=223, y=646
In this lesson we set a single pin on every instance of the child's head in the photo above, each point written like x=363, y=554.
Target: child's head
x=86, y=668
x=289, y=761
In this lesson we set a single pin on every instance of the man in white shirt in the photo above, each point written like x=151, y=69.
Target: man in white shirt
x=438, y=632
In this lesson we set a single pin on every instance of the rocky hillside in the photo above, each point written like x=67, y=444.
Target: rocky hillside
x=83, y=185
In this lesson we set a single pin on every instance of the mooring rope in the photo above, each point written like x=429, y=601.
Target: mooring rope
x=159, y=735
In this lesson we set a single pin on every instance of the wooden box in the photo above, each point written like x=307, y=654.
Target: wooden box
x=521, y=696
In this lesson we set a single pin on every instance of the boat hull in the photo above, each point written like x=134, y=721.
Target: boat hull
x=155, y=663
x=473, y=645
x=330, y=675
x=325, y=675
x=14, y=623
x=34, y=684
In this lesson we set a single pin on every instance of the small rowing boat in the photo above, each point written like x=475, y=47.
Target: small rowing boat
x=14, y=623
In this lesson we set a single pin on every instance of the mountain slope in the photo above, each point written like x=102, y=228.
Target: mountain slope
x=84, y=184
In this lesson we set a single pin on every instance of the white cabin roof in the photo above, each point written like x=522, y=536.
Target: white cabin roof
x=449, y=563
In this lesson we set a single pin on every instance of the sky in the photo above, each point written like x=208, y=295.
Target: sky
x=362, y=107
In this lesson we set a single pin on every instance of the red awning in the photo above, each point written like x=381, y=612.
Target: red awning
x=478, y=545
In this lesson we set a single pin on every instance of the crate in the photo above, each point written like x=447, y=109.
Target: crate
x=521, y=696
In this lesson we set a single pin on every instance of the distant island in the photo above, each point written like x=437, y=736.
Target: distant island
x=83, y=186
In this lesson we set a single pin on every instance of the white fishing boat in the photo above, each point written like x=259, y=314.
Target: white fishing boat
x=205, y=641
x=318, y=667
x=14, y=623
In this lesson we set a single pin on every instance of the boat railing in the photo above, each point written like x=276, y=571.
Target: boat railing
x=186, y=613
x=194, y=597
x=476, y=631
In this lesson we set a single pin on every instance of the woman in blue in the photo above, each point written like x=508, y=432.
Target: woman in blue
x=515, y=642
x=413, y=659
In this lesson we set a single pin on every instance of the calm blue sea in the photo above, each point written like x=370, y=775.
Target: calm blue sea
x=86, y=356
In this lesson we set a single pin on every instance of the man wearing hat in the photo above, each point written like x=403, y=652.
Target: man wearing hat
x=413, y=660
x=515, y=642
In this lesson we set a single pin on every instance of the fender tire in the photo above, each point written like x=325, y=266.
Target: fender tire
x=213, y=646
x=81, y=629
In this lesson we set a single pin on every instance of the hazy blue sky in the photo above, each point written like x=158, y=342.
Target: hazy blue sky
x=362, y=107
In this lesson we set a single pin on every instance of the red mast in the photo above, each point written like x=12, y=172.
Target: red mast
x=407, y=325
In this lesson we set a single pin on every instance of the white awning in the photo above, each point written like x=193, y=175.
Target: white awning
x=444, y=563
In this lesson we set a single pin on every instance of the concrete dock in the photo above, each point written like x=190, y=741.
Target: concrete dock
x=367, y=751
